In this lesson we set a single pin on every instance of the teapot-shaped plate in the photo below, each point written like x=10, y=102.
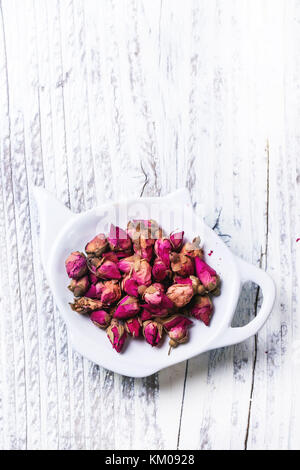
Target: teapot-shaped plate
x=63, y=232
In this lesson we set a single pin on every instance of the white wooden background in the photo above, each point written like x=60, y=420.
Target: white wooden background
x=103, y=98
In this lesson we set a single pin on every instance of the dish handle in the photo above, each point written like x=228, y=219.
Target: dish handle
x=265, y=282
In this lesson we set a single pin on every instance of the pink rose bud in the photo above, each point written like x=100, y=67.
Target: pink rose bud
x=111, y=292
x=193, y=249
x=153, y=311
x=95, y=291
x=93, y=278
x=76, y=265
x=127, y=265
x=108, y=270
x=155, y=295
x=116, y=334
x=79, y=286
x=97, y=246
x=118, y=239
x=100, y=318
x=130, y=286
x=163, y=249
x=207, y=275
x=149, y=228
x=176, y=239
x=198, y=288
x=180, y=294
x=146, y=314
x=144, y=252
x=178, y=335
x=84, y=305
x=182, y=265
x=111, y=256
x=142, y=273
x=140, y=269
x=133, y=326
x=175, y=320
x=152, y=332
x=202, y=308
x=127, y=307
x=159, y=270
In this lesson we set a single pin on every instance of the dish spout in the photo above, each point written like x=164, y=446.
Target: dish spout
x=52, y=215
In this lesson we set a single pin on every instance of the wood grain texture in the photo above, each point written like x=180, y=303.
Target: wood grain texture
x=105, y=99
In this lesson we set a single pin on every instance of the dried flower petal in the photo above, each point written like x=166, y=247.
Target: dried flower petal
x=76, y=265
x=207, y=275
x=202, y=308
x=133, y=326
x=84, y=305
x=152, y=332
x=97, y=246
x=116, y=334
x=79, y=286
x=100, y=318
x=198, y=288
x=127, y=307
x=153, y=311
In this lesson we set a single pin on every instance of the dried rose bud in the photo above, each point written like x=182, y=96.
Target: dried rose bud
x=154, y=311
x=182, y=265
x=85, y=305
x=123, y=254
x=176, y=239
x=97, y=246
x=163, y=249
x=145, y=252
x=111, y=256
x=207, y=275
x=198, y=288
x=202, y=308
x=148, y=227
x=152, y=332
x=139, y=268
x=175, y=320
x=93, y=278
x=130, y=286
x=180, y=294
x=155, y=295
x=116, y=334
x=95, y=291
x=127, y=265
x=76, y=265
x=178, y=335
x=133, y=326
x=108, y=270
x=159, y=271
x=101, y=318
x=193, y=249
x=79, y=286
x=142, y=273
x=127, y=307
x=111, y=292
x=118, y=239
x=146, y=315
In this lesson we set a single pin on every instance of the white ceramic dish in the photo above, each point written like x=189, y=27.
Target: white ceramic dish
x=63, y=231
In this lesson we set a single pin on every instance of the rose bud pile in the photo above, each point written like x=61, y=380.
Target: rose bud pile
x=140, y=283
